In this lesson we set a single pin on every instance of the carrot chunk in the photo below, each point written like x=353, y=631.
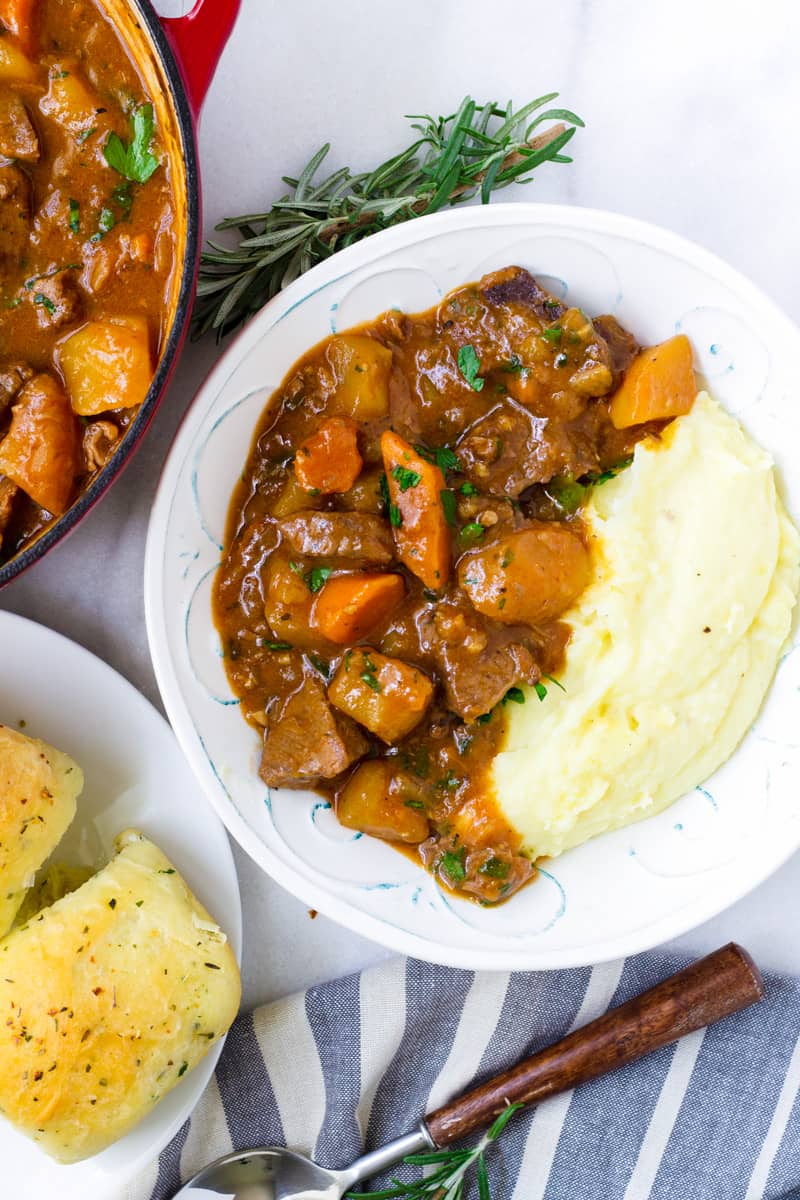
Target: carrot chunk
x=421, y=532
x=328, y=460
x=41, y=452
x=18, y=17
x=658, y=384
x=349, y=606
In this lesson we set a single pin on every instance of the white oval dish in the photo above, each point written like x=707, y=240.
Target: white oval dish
x=135, y=776
x=626, y=891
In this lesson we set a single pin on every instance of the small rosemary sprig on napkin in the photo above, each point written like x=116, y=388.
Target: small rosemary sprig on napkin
x=474, y=151
x=447, y=1180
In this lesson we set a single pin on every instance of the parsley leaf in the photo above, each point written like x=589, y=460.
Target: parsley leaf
x=316, y=578
x=469, y=365
x=471, y=533
x=495, y=868
x=74, y=215
x=515, y=694
x=453, y=865
x=44, y=302
x=449, y=505
x=540, y=689
x=553, y=334
x=134, y=161
x=395, y=516
x=406, y=478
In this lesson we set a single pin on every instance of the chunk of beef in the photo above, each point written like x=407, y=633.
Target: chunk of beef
x=13, y=377
x=18, y=137
x=622, y=346
x=99, y=442
x=476, y=665
x=15, y=211
x=57, y=300
x=308, y=740
x=515, y=285
x=350, y=535
x=509, y=449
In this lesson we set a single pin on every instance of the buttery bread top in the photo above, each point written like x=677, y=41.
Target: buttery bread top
x=38, y=790
x=113, y=994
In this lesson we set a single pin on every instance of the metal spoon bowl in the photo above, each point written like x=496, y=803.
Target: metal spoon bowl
x=274, y=1173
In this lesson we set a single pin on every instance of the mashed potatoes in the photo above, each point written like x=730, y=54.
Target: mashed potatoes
x=674, y=643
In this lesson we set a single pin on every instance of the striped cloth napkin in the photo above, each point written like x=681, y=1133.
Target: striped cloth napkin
x=357, y=1061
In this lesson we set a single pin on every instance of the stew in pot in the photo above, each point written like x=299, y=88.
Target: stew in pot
x=88, y=254
x=403, y=543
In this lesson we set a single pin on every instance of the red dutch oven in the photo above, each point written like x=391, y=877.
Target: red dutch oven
x=182, y=55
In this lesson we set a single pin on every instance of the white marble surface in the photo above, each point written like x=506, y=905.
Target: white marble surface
x=692, y=111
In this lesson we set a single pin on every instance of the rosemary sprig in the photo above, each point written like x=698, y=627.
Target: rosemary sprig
x=447, y=1179
x=474, y=151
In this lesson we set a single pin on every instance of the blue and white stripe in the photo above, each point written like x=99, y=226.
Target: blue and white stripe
x=355, y=1062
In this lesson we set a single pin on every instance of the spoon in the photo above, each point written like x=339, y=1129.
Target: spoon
x=717, y=986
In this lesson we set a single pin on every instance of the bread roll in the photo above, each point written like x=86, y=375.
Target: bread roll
x=111, y=996
x=38, y=790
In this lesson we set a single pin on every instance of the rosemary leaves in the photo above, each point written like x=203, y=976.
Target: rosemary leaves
x=473, y=152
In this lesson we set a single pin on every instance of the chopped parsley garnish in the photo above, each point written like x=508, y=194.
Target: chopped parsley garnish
x=552, y=305
x=275, y=645
x=384, y=484
x=468, y=489
x=443, y=457
x=369, y=674
x=471, y=533
x=184, y=1067
x=85, y=134
x=553, y=334
x=320, y=665
x=514, y=365
x=540, y=689
x=556, y=682
x=395, y=516
x=611, y=473
x=316, y=578
x=495, y=868
x=469, y=365
x=74, y=215
x=449, y=505
x=406, y=478
x=134, y=161
x=123, y=196
x=44, y=302
x=414, y=804
x=453, y=865
x=515, y=695
x=483, y=719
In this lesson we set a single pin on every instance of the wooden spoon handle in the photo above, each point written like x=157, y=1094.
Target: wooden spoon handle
x=714, y=987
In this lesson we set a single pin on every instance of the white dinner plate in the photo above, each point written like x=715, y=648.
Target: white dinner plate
x=623, y=892
x=135, y=775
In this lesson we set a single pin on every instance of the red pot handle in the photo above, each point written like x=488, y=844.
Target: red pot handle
x=198, y=39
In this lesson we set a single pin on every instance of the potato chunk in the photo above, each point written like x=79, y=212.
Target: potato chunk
x=41, y=452
x=69, y=100
x=14, y=66
x=370, y=804
x=288, y=604
x=361, y=368
x=388, y=697
x=527, y=577
x=18, y=138
x=107, y=365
